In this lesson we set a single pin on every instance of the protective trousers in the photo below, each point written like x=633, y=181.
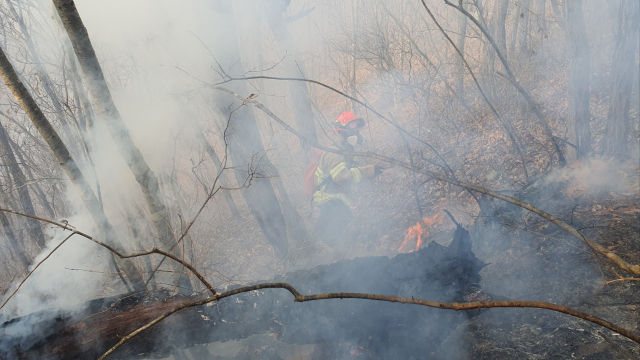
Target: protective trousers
x=332, y=222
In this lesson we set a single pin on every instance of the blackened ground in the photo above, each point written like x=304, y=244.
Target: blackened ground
x=532, y=259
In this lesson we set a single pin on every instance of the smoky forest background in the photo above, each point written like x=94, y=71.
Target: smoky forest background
x=183, y=129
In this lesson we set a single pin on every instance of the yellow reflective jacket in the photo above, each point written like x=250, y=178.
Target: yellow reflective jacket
x=344, y=171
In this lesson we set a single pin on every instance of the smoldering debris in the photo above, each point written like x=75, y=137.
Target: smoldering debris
x=381, y=329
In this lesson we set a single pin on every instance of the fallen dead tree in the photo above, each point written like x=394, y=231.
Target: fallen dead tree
x=152, y=325
x=439, y=273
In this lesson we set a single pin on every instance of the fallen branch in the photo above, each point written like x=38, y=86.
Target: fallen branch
x=342, y=295
x=154, y=250
x=387, y=298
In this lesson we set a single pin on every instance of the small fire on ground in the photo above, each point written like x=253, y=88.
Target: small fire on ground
x=418, y=231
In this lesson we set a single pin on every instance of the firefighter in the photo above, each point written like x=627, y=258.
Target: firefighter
x=333, y=178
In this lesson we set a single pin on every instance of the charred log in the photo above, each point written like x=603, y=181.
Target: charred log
x=435, y=272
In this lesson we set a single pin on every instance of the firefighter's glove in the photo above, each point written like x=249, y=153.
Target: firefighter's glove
x=377, y=170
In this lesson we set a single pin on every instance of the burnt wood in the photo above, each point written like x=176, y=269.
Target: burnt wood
x=385, y=330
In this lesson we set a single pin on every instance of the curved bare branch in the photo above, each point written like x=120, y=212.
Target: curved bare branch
x=387, y=298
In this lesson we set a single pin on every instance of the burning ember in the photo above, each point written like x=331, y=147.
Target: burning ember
x=418, y=230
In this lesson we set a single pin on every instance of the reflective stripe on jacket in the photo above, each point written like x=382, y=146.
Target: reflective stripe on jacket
x=342, y=176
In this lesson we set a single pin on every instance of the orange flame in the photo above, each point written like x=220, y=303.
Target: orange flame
x=419, y=230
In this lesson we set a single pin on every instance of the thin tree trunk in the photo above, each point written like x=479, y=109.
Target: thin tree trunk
x=487, y=71
x=299, y=92
x=133, y=157
x=146, y=260
x=28, y=104
x=20, y=181
x=18, y=247
x=460, y=42
x=502, y=9
x=44, y=77
x=514, y=31
x=579, y=76
x=85, y=116
x=43, y=198
x=524, y=31
x=624, y=70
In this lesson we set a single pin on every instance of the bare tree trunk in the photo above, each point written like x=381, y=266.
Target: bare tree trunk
x=579, y=76
x=458, y=81
x=622, y=73
x=102, y=96
x=487, y=71
x=500, y=12
x=524, y=33
x=43, y=198
x=18, y=247
x=86, y=120
x=514, y=31
x=279, y=221
x=46, y=81
x=540, y=25
x=20, y=181
x=28, y=104
x=295, y=68
x=146, y=260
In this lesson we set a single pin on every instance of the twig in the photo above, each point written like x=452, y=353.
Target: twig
x=623, y=279
x=214, y=190
x=387, y=298
x=155, y=250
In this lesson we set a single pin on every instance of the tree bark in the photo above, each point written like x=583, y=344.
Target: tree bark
x=622, y=73
x=579, y=76
x=20, y=182
x=59, y=149
x=102, y=96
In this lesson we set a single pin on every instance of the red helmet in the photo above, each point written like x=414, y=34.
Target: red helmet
x=348, y=121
